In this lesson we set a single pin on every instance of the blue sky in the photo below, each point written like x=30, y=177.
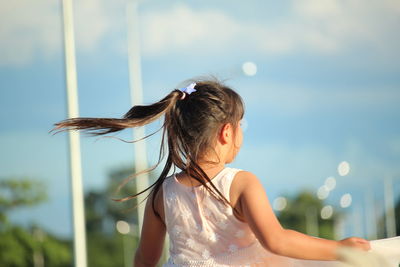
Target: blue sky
x=327, y=88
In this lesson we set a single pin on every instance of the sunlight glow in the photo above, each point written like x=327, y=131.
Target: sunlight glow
x=249, y=68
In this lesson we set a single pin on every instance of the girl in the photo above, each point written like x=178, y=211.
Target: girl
x=214, y=215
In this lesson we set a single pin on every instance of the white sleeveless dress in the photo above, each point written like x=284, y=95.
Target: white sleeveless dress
x=204, y=232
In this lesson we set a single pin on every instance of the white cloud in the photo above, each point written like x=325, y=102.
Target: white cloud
x=344, y=23
x=27, y=27
x=318, y=8
x=30, y=29
x=94, y=20
x=181, y=27
x=324, y=26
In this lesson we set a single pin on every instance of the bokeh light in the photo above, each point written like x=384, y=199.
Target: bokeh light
x=323, y=192
x=123, y=227
x=280, y=203
x=330, y=183
x=345, y=200
x=343, y=168
x=326, y=212
x=249, y=68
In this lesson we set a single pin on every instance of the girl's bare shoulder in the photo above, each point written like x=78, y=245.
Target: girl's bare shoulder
x=242, y=180
x=157, y=197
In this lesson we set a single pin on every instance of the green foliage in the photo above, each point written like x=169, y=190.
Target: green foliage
x=105, y=245
x=17, y=192
x=102, y=211
x=57, y=252
x=18, y=247
x=117, y=188
x=301, y=209
x=21, y=247
x=108, y=250
x=95, y=211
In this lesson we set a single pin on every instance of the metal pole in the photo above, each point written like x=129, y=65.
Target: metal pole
x=74, y=144
x=339, y=227
x=358, y=229
x=389, y=208
x=312, y=225
x=370, y=214
x=135, y=81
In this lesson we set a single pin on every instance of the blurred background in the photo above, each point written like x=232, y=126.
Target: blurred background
x=321, y=83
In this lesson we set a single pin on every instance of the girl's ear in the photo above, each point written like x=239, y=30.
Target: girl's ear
x=225, y=133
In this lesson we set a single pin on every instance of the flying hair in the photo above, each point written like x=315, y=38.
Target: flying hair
x=190, y=127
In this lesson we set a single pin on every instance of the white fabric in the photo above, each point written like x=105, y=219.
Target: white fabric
x=204, y=232
x=383, y=253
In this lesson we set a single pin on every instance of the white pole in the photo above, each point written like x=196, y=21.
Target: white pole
x=135, y=81
x=358, y=229
x=74, y=145
x=312, y=225
x=339, y=227
x=370, y=214
x=389, y=208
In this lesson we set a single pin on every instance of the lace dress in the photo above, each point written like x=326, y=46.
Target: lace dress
x=204, y=232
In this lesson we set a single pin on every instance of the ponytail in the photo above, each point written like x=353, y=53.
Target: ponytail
x=190, y=126
x=137, y=116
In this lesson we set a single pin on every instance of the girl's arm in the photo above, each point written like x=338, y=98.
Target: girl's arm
x=152, y=237
x=258, y=213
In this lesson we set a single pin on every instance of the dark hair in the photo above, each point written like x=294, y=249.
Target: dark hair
x=191, y=125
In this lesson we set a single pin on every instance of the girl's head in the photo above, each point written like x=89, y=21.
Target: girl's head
x=196, y=121
x=193, y=126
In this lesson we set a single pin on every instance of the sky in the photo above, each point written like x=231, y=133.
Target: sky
x=327, y=90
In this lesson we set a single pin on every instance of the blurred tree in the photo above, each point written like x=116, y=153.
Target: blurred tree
x=382, y=232
x=116, y=189
x=302, y=212
x=32, y=247
x=17, y=192
x=105, y=244
x=20, y=247
x=102, y=211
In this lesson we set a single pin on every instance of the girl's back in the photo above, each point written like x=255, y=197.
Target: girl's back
x=204, y=231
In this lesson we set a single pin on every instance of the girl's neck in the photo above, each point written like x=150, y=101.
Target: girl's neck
x=211, y=169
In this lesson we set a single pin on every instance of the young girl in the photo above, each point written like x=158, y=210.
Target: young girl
x=214, y=215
